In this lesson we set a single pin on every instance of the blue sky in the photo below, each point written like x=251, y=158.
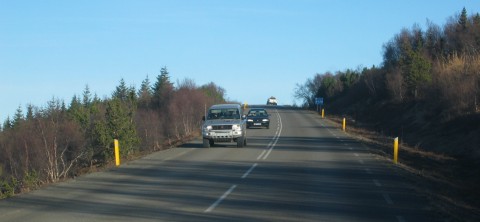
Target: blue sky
x=253, y=49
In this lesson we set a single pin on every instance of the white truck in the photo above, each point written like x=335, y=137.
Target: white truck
x=272, y=101
x=224, y=123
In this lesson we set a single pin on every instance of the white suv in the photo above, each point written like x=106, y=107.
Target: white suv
x=224, y=123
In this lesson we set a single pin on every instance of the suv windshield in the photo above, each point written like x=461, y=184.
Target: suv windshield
x=223, y=114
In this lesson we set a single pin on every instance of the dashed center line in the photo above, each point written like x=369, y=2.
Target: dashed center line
x=249, y=171
x=225, y=195
x=261, y=154
x=387, y=198
x=400, y=219
x=378, y=184
x=274, y=141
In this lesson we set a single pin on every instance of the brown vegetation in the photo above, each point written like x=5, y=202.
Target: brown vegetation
x=57, y=142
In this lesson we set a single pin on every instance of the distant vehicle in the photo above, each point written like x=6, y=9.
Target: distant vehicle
x=224, y=123
x=272, y=101
x=258, y=117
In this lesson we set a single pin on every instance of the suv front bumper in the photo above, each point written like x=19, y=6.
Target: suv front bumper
x=222, y=136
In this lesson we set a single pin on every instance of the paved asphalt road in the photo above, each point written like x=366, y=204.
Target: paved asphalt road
x=301, y=169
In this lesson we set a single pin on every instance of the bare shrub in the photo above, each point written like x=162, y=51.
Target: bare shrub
x=186, y=108
x=457, y=81
x=395, y=85
x=149, y=129
x=61, y=146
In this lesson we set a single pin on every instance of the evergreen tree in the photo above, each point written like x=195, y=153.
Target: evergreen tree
x=349, y=78
x=162, y=89
x=145, y=93
x=79, y=113
x=18, y=117
x=121, y=91
x=476, y=19
x=30, y=108
x=417, y=70
x=120, y=125
x=87, y=96
x=145, y=89
x=7, y=124
x=462, y=21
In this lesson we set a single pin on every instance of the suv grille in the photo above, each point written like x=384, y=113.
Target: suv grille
x=222, y=127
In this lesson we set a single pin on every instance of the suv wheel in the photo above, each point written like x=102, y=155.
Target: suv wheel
x=240, y=142
x=206, y=143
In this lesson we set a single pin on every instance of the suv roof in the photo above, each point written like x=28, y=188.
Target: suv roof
x=225, y=106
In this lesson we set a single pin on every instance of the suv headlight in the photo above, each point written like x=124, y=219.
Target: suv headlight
x=236, y=127
x=207, y=128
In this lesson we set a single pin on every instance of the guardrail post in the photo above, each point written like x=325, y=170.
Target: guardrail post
x=344, y=124
x=117, y=153
x=395, y=150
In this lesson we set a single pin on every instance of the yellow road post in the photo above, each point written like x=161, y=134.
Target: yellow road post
x=395, y=150
x=344, y=124
x=117, y=153
x=323, y=113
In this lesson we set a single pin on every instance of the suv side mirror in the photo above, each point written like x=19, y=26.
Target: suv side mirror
x=244, y=116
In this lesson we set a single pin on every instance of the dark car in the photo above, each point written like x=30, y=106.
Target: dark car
x=258, y=117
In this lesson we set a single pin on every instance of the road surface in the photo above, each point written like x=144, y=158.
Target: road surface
x=301, y=169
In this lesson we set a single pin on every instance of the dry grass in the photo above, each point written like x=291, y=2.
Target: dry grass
x=438, y=176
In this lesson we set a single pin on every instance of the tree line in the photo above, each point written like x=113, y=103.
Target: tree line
x=439, y=66
x=426, y=91
x=60, y=141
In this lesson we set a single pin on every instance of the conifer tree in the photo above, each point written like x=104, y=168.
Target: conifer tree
x=18, y=117
x=87, y=96
x=162, y=89
x=145, y=93
x=463, y=19
x=121, y=91
x=120, y=125
x=30, y=114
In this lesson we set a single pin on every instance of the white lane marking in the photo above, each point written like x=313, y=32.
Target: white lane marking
x=261, y=154
x=350, y=148
x=378, y=184
x=400, y=219
x=361, y=161
x=368, y=171
x=249, y=171
x=356, y=154
x=387, y=198
x=275, y=137
x=212, y=207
